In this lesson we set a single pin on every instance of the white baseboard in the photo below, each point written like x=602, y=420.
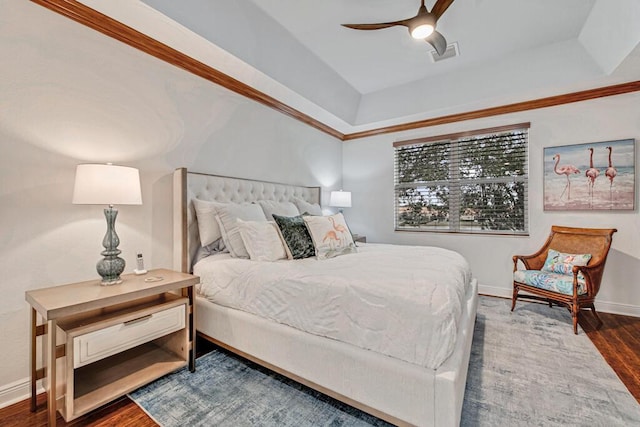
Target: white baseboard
x=17, y=391
x=603, y=306
x=494, y=291
x=617, y=308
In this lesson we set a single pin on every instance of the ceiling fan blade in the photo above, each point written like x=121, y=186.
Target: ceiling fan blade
x=378, y=26
x=440, y=7
x=438, y=42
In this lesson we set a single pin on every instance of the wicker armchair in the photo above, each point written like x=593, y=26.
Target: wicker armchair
x=575, y=288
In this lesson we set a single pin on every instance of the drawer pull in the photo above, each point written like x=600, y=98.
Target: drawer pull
x=139, y=319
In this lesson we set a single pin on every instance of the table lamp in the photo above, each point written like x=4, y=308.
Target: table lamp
x=108, y=184
x=340, y=199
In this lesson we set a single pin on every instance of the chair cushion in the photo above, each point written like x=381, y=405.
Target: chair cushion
x=561, y=283
x=561, y=263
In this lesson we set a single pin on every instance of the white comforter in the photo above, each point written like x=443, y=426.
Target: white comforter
x=401, y=301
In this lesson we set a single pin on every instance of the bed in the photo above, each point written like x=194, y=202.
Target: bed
x=389, y=375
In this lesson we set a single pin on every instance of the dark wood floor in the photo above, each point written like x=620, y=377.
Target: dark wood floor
x=122, y=412
x=618, y=340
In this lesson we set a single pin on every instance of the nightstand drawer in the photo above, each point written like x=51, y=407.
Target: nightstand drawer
x=96, y=345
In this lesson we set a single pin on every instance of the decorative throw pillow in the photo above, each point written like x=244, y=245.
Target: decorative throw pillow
x=304, y=206
x=561, y=263
x=270, y=207
x=208, y=227
x=298, y=243
x=212, y=249
x=331, y=236
x=262, y=240
x=227, y=215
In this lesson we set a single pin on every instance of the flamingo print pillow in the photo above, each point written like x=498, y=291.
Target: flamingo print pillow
x=331, y=236
x=561, y=263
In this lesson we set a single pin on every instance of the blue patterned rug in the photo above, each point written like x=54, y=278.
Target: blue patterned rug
x=527, y=368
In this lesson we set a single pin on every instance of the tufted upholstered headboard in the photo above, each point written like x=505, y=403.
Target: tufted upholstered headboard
x=190, y=185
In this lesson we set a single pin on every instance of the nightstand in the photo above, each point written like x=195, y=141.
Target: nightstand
x=104, y=341
x=359, y=238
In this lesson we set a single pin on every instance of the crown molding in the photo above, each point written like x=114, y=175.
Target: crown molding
x=108, y=26
x=533, y=104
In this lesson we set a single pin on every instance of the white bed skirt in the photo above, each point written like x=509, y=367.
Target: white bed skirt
x=399, y=392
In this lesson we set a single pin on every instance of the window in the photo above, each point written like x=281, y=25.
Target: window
x=472, y=182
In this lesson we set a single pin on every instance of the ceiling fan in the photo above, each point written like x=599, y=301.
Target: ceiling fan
x=421, y=26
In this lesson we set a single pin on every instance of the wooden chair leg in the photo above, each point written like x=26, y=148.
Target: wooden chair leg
x=514, y=298
x=595, y=314
x=574, y=316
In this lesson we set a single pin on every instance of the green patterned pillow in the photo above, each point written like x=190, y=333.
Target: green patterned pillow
x=295, y=235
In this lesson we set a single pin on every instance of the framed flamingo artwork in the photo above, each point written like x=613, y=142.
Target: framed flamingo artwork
x=590, y=177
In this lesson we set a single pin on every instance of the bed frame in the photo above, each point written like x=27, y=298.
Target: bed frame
x=396, y=391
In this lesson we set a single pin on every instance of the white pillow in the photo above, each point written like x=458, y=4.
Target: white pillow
x=330, y=234
x=270, y=207
x=227, y=215
x=208, y=227
x=262, y=240
x=310, y=208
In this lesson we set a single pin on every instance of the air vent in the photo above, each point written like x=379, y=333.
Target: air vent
x=452, y=50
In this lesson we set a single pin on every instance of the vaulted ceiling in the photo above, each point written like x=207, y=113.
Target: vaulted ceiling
x=509, y=51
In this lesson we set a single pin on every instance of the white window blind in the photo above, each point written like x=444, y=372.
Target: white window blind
x=472, y=182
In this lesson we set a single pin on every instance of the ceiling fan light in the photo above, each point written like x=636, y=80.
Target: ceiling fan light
x=422, y=31
x=422, y=25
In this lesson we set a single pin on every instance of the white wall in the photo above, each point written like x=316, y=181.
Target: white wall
x=368, y=174
x=71, y=95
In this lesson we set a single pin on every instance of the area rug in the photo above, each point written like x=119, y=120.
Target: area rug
x=527, y=368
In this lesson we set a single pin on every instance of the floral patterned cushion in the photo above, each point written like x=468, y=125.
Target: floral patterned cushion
x=295, y=236
x=561, y=283
x=561, y=263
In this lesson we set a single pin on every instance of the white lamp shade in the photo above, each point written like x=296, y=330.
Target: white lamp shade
x=99, y=184
x=340, y=199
